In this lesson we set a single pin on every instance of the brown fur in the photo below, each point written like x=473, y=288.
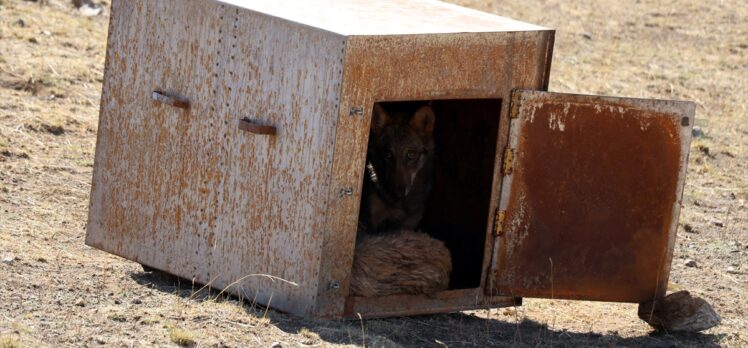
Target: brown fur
x=405, y=262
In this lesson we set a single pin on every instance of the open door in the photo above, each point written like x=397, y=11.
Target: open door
x=590, y=197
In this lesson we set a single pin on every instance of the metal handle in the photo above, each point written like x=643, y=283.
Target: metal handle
x=170, y=100
x=248, y=125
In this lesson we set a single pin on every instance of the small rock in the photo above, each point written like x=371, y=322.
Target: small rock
x=587, y=36
x=705, y=150
x=9, y=260
x=137, y=301
x=80, y=303
x=732, y=270
x=276, y=345
x=679, y=311
x=117, y=302
x=691, y=263
x=34, y=40
x=87, y=8
x=719, y=224
x=689, y=229
x=46, y=33
x=20, y=23
x=90, y=11
x=99, y=340
x=696, y=132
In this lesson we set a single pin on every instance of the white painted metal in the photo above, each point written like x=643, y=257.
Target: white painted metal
x=384, y=17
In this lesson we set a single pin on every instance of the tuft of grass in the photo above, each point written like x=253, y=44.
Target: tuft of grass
x=117, y=317
x=181, y=337
x=264, y=321
x=309, y=338
x=7, y=152
x=54, y=125
x=9, y=342
x=150, y=321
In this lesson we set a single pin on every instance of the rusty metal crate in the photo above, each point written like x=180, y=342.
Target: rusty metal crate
x=233, y=134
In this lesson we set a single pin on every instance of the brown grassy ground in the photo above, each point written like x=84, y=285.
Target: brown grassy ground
x=58, y=292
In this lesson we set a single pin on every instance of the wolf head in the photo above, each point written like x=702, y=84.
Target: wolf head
x=400, y=146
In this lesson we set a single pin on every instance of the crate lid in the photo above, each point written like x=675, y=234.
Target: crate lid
x=385, y=17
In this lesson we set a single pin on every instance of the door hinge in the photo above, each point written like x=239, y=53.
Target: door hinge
x=506, y=165
x=498, y=222
x=356, y=111
x=514, y=110
x=345, y=191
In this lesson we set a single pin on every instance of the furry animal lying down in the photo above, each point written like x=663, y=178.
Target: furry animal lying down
x=404, y=262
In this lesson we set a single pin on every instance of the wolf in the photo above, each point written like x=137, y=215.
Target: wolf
x=399, y=169
x=391, y=257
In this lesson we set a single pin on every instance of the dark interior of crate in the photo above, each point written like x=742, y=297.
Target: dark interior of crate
x=465, y=135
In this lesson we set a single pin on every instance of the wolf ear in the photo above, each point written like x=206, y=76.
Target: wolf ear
x=379, y=119
x=423, y=121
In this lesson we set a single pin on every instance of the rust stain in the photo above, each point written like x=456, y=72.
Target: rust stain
x=171, y=182
x=592, y=200
x=410, y=67
x=193, y=194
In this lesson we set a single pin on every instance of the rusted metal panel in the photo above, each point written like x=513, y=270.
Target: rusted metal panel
x=152, y=196
x=287, y=76
x=385, y=17
x=185, y=190
x=593, y=197
x=412, y=67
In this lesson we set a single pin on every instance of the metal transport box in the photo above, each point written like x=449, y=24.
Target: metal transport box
x=233, y=136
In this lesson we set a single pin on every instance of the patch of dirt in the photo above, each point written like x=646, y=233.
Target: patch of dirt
x=55, y=291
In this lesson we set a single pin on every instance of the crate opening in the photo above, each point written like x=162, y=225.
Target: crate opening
x=456, y=206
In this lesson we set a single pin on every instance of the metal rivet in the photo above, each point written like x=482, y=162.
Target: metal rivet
x=334, y=285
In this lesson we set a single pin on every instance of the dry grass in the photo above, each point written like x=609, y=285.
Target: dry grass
x=50, y=80
x=182, y=337
x=10, y=342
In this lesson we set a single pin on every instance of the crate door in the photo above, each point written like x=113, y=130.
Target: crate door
x=590, y=197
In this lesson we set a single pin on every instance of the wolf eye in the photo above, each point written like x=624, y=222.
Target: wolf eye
x=411, y=155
